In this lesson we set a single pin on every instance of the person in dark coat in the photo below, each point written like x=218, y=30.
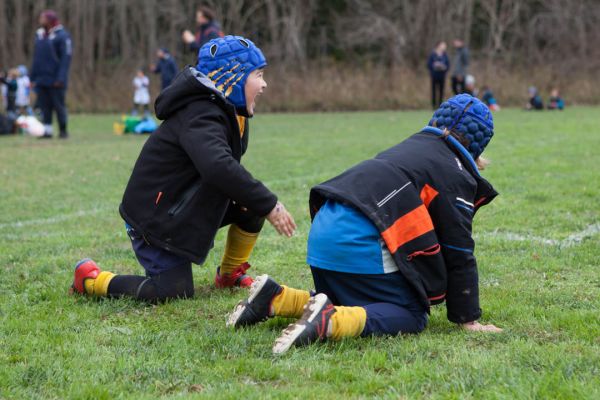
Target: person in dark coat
x=188, y=182
x=50, y=70
x=460, y=65
x=390, y=237
x=438, y=65
x=207, y=28
x=166, y=67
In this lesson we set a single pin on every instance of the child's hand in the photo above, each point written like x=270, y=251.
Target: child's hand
x=475, y=326
x=282, y=220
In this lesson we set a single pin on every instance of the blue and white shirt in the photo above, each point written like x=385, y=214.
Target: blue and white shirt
x=343, y=239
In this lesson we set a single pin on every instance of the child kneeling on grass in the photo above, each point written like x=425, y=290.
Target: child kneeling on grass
x=390, y=237
x=188, y=182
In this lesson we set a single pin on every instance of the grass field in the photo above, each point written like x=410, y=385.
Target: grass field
x=537, y=246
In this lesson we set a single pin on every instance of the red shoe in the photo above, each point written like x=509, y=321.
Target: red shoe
x=85, y=269
x=237, y=278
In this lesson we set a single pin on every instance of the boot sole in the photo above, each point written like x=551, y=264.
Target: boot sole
x=255, y=288
x=293, y=331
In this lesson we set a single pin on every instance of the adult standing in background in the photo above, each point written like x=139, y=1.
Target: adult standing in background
x=50, y=71
x=166, y=67
x=438, y=65
x=207, y=28
x=461, y=66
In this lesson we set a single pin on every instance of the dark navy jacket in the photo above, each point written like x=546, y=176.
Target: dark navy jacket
x=51, y=57
x=189, y=170
x=438, y=65
x=167, y=68
x=422, y=195
x=204, y=33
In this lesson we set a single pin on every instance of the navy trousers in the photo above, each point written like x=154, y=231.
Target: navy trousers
x=52, y=99
x=168, y=275
x=392, y=305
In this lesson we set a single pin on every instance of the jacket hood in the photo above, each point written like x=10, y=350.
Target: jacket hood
x=188, y=86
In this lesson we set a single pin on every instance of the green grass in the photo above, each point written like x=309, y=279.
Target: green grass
x=59, y=203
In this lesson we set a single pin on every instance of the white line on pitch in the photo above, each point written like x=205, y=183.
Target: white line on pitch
x=52, y=220
x=571, y=240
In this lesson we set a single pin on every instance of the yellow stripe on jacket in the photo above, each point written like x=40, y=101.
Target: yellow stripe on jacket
x=242, y=124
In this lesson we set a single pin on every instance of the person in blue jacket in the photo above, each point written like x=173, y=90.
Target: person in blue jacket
x=166, y=67
x=50, y=70
x=438, y=65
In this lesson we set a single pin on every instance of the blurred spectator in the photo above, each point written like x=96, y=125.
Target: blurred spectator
x=7, y=124
x=207, y=28
x=50, y=70
x=141, y=94
x=166, y=67
x=438, y=65
x=556, y=102
x=470, y=85
x=22, y=100
x=461, y=64
x=535, y=100
x=10, y=80
x=489, y=99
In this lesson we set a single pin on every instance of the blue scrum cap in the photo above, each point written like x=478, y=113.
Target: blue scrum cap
x=228, y=61
x=469, y=117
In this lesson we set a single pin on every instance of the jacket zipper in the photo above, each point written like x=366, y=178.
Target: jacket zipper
x=185, y=199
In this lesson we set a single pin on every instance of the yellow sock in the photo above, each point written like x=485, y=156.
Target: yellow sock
x=348, y=322
x=238, y=248
x=98, y=286
x=290, y=302
x=88, y=284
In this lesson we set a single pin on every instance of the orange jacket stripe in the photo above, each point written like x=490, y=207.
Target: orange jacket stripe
x=428, y=194
x=408, y=227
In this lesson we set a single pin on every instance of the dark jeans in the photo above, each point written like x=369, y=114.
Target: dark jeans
x=392, y=305
x=168, y=275
x=52, y=99
x=458, y=84
x=437, y=90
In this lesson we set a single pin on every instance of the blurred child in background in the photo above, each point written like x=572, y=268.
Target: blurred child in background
x=535, y=100
x=470, y=86
x=10, y=81
x=556, y=102
x=22, y=100
x=141, y=94
x=489, y=99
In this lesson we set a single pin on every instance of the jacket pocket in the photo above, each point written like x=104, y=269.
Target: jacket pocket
x=185, y=199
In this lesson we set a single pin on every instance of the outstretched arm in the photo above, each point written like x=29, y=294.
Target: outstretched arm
x=455, y=236
x=207, y=146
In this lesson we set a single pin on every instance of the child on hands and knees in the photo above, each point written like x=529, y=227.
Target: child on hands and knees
x=188, y=182
x=391, y=237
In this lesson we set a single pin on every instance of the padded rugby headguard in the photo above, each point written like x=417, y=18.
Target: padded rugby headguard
x=468, y=116
x=228, y=61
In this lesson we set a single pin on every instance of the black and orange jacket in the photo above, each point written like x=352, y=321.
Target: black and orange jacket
x=189, y=170
x=422, y=195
